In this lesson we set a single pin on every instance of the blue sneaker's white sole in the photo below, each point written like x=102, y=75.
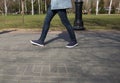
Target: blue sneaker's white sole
x=72, y=46
x=34, y=43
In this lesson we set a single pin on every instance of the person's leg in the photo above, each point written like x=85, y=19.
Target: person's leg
x=46, y=25
x=63, y=16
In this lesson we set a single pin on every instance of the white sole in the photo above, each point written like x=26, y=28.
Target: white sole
x=72, y=46
x=36, y=44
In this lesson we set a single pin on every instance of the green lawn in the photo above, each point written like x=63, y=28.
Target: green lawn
x=35, y=22
x=102, y=22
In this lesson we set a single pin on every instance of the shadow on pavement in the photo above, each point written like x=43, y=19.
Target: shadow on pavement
x=64, y=35
x=6, y=31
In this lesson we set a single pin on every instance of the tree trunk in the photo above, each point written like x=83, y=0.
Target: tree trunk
x=87, y=5
x=22, y=3
x=45, y=6
x=97, y=7
x=25, y=6
x=110, y=6
x=19, y=6
x=32, y=3
x=39, y=6
x=119, y=8
x=5, y=6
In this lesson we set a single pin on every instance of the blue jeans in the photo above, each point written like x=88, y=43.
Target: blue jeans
x=63, y=16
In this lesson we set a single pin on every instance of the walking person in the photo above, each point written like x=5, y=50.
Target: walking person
x=57, y=7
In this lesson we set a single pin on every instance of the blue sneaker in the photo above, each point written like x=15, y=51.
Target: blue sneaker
x=72, y=44
x=37, y=42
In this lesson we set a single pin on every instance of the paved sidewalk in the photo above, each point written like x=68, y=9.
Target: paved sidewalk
x=95, y=60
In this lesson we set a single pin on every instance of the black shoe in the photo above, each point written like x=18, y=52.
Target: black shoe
x=72, y=44
x=37, y=42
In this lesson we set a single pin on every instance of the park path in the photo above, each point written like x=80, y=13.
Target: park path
x=95, y=60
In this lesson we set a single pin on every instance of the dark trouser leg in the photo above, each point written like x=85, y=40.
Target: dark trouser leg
x=63, y=16
x=46, y=25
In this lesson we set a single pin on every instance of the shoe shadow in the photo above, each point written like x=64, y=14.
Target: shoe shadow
x=64, y=35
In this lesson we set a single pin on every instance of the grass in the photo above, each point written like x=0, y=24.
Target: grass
x=102, y=22
x=105, y=22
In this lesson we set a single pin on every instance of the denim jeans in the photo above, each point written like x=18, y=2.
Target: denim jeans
x=63, y=17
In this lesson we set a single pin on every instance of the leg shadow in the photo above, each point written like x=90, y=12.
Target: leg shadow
x=64, y=35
